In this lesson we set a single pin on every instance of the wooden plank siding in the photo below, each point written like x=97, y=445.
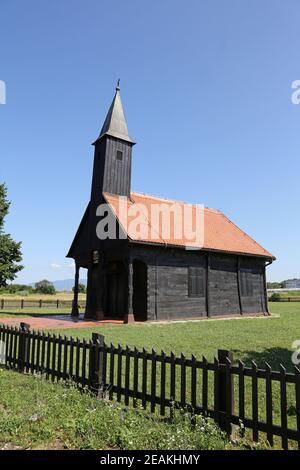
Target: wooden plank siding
x=167, y=283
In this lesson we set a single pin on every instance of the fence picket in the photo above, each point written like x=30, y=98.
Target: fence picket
x=241, y=391
x=48, y=341
x=83, y=364
x=77, y=360
x=216, y=390
x=65, y=366
x=53, y=363
x=269, y=411
x=59, y=357
x=71, y=358
x=135, y=376
x=283, y=407
x=183, y=381
x=144, y=379
x=127, y=375
x=153, y=380
x=254, y=402
x=33, y=364
x=112, y=370
x=38, y=351
x=119, y=373
x=204, y=385
x=163, y=384
x=193, y=383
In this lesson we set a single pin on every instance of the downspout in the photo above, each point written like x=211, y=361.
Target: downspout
x=265, y=287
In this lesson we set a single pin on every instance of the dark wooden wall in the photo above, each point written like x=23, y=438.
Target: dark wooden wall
x=167, y=285
x=110, y=174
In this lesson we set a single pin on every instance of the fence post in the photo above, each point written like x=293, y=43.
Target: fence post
x=23, y=346
x=225, y=391
x=96, y=362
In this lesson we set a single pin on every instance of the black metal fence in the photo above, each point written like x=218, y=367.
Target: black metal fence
x=263, y=400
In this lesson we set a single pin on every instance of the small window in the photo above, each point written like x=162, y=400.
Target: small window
x=196, y=286
x=246, y=284
x=95, y=257
x=119, y=155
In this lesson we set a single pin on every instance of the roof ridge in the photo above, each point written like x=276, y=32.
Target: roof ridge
x=173, y=200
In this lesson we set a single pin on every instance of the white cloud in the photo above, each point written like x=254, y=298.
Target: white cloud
x=71, y=265
x=55, y=266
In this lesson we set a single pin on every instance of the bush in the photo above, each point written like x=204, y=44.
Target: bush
x=81, y=288
x=45, y=287
x=275, y=297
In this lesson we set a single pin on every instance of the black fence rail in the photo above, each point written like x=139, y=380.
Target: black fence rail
x=263, y=400
x=284, y=299
x=38, y=303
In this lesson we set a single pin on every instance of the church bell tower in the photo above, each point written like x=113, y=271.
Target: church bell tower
x=113, y=154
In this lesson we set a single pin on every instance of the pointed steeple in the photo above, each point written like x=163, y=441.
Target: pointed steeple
x=115, y=123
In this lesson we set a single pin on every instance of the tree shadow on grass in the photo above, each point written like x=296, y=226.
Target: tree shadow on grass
x=273, y=356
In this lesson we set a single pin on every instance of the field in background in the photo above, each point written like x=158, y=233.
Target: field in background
x=59, y=295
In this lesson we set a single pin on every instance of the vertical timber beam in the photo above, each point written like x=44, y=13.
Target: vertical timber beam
x=99, y=291
x=129, y=317
x=238, y=273
x=208, y=310
x=75, y=310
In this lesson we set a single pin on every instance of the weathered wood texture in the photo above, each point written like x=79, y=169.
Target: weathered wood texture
x=111, y=174
x=168, y=283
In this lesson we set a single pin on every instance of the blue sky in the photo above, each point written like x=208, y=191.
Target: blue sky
x=206, y=87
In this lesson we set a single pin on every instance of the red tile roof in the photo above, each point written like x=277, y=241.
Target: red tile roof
x=220, y=234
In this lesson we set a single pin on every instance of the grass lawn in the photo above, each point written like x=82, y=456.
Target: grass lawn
x=36, y=414
x=262, y=339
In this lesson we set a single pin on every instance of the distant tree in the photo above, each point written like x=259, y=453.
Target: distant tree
x=275, y=285
x=45, y=287
x=81, y=288
x=17, y=288
x=10, y=251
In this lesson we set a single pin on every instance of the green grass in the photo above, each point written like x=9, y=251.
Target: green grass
x=262, y=339
x=33, y=312
x=36, y=414
x=292, y=293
